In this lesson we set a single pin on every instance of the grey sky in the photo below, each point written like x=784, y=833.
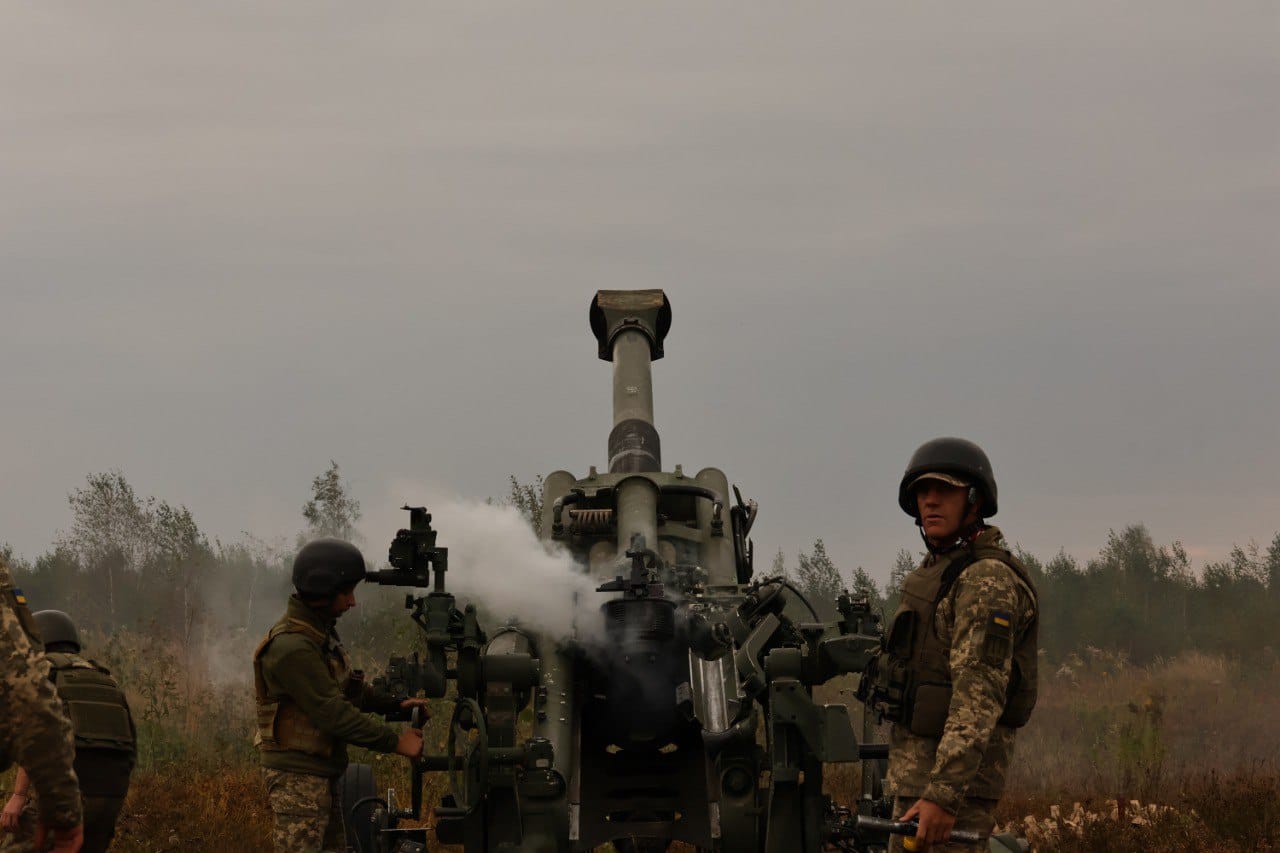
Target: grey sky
x=239, y=240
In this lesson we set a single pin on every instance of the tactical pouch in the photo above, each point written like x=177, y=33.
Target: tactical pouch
x=884, y=687
x=930, y=704
x=353, y=686
x=889, y=677
x=264, y=735
x=283, y=726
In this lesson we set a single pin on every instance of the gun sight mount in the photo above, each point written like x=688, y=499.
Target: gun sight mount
x=414, y=555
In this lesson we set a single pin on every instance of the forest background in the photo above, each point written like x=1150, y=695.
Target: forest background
x=1157, y=678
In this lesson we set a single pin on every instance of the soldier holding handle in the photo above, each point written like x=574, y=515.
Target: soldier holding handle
x=311, y=704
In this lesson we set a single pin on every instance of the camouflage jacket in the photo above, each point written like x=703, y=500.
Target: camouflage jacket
x=296, y=668
x=34, y=731
x=972, y=756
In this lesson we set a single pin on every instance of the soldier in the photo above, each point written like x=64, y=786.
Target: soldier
x=957, y=676
x=105, y=739
x=34, y=731
x=310, y=702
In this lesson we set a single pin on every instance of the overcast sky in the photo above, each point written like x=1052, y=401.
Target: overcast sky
x=238, y=240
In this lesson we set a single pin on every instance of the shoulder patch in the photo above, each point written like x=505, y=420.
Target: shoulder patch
x=997, y=641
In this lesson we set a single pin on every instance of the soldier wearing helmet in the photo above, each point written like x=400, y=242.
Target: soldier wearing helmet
x=34, y=729
x=105, y=739
x=311, y=703
x=957, y=673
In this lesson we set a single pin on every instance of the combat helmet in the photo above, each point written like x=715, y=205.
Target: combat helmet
x=56, y=627
x=326, y=566
x=956, y=458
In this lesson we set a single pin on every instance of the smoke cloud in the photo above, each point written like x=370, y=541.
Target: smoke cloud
x=498, y=563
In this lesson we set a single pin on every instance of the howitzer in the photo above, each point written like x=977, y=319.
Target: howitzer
x=689, y=716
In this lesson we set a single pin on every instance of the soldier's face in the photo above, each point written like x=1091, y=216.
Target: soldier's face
x=342, y=602
x=942, y=507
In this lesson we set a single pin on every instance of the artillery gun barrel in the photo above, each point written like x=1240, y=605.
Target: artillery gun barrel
x=630, y=327
x=632, y=381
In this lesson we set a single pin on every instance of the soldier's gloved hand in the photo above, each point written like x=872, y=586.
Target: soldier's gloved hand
x=410, y=704
x=12, y=813
x=935, y=821
x=64, y=840
x=410, y=745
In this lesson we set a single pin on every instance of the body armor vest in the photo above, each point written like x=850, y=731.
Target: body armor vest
x=282, y=725
x=104, y=734
x=95, y=704
x=910, y=682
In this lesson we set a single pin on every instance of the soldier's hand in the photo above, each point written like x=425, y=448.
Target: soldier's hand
x=410, y=745
x=64, y=840
x=935, y=822
x=12, y=813
x=409, y=704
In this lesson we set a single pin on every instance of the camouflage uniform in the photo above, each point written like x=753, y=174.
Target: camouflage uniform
x=34, y=731
x=103, y=772
x=964, y=770
x=307, y=809
x=309, y=708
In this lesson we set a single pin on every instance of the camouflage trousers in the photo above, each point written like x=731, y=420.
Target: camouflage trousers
x=100, y=814
x=307, y=810
x=975, y=815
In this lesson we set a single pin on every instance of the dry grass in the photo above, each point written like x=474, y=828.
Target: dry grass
x=172, y=809
x=1194, y=736
x=1208, y=812
x=1133, y=732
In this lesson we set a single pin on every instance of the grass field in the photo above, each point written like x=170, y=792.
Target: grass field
x=1181, y=755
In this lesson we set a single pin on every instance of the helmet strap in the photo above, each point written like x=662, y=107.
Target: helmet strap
x=964, y=536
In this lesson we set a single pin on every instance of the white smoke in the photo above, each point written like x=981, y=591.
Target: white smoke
x=498, y=563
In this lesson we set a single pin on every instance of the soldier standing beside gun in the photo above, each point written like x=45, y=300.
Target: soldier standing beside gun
x=105, y=739
x=310, y=702
x=34, y=731
x=957, y=676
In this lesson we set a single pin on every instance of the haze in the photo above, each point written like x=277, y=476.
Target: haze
x=237, y=241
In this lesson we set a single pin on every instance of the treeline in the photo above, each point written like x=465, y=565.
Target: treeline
x=1135, y=597
x=143, y=563
x=129, y=561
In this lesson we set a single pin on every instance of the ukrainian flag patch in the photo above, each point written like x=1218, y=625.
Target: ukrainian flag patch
x=998, y=638
x=21, y=599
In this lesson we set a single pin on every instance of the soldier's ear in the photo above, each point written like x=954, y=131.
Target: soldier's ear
x=974, y=503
